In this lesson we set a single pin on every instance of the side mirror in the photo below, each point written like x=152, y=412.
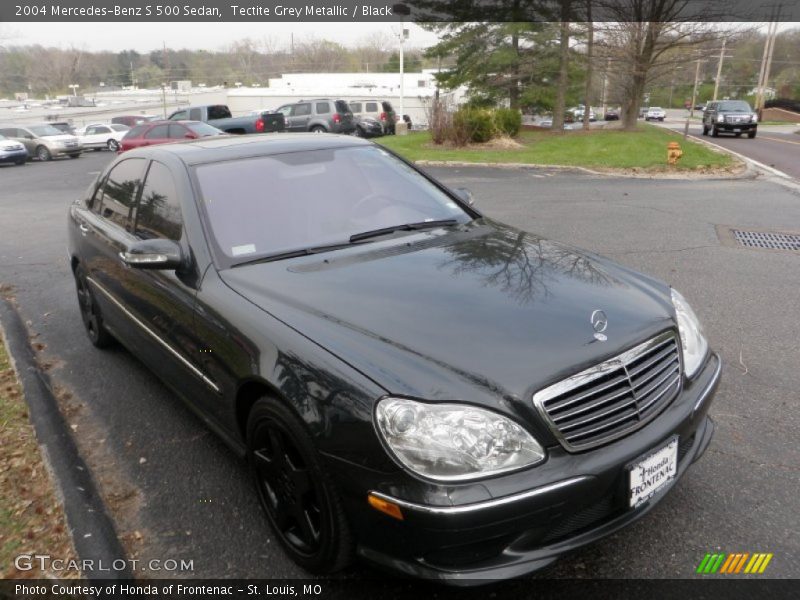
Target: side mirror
x=465, y=195
x=153, y=254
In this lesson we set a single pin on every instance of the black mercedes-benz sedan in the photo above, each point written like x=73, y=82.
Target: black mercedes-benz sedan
x=409, y=381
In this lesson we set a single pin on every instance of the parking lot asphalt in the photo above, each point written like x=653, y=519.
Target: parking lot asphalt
x=175, y=492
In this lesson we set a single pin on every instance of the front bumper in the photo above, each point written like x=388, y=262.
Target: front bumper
x=575, y=499
x=736, y=127
x=13, y=155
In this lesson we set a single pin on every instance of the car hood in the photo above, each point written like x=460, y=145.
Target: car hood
x=482, y=312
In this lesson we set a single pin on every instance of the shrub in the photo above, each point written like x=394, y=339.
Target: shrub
x=439, y=121
x=508, y=121
x=476, y=125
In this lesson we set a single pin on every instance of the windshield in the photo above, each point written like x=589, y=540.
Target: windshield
x=203, y=129
x=274, y=204
x=45, y=130
x=735, y=106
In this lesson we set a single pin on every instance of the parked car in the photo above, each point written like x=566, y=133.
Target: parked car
x=44, y=141
x=612, y=114
x=166, y=132
x=579, y=111
x=367, y=127
x=643, y=111
x=219, y=116
x=380, y=110
x=348, y=335
x=322, y=115
x=98, y=136
x=655, y=113
x=700, y=106
x=131, y=120
x=730, y=116
x=12, y=151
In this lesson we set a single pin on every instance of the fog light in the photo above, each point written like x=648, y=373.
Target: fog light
x=385, y=507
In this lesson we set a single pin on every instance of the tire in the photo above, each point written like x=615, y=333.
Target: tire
x=714, y=131
x=90, y=312
x=318, y=129
x=113, y=145
x=359, y=133
x=705, y=130
x=751, y=134
x=299, y=498
x=21, y=162
x=43, y=154
x=74, y=155
x=96, y=149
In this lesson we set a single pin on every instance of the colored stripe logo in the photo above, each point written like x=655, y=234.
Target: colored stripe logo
x=735, y=563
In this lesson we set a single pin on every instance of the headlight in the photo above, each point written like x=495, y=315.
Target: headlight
x=693, y=340
x=453, y=442
x=754, y=118
x=720, y=118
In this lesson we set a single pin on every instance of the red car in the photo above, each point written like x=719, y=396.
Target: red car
x=165, y=132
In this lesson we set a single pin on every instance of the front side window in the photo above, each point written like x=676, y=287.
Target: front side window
x=179, y=116
x=120, y=190
x=313, y=198
x=159, y=212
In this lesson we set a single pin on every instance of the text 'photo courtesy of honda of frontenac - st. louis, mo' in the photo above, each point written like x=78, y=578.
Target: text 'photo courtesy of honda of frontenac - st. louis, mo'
x=411, y=382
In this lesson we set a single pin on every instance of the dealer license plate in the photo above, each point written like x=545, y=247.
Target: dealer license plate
x=648, y=475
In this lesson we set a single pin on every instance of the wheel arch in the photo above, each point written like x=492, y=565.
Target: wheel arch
x=247, y=394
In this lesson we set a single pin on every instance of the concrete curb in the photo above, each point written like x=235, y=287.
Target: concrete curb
x=92, y=530
x=748, y=173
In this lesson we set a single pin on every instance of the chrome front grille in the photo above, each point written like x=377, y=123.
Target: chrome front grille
x=615, y=397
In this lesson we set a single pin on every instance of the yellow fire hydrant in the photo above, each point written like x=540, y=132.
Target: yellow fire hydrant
x=674, y=152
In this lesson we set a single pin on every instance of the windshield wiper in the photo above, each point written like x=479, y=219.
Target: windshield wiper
x=291, y=254
x=357, y=237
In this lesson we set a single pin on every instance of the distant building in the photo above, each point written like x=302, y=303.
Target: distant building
x=419, y=90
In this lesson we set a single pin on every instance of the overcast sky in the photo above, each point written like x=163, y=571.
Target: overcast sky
x=144, y=37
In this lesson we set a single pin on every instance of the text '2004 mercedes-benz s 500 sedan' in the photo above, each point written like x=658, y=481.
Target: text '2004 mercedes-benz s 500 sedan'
x=410, y=382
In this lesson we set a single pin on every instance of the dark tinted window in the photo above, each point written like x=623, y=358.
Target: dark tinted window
x=323, y=108
x=372, y=107
x=314, y=198
x=159, y=212
x=299, y=110
x=178, y=132
x=136, y=131
x=157, y=132
x=119, y=193
x=195, y=114
x=341, y=106
x=219, y=111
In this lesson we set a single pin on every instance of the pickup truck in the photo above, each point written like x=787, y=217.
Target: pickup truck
x=219, y=116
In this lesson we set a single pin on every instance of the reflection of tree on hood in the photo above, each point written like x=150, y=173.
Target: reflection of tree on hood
x=521, y=264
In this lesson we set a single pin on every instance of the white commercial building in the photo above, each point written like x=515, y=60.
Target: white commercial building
x=420, y=89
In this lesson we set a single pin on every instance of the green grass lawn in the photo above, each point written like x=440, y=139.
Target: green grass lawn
x=604, y=149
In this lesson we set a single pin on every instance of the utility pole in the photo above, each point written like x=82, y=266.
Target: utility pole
x=766, y=59
x=719, y=69
x=694, y=97
x=769, y=63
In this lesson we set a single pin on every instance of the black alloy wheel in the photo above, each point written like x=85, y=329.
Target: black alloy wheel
x=299, y=499
x=90, y=313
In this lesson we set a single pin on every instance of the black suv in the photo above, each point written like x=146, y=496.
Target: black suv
x=730, y=116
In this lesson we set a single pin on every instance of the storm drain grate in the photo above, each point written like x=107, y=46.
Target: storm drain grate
x=770, y=241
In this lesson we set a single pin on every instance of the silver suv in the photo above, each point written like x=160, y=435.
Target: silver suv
x=322, y=115
x=44, y=141
x=380, y=110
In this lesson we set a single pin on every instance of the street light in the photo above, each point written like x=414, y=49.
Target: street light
x=403, y=11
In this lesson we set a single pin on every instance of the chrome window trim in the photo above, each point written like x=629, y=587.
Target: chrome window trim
x=479, y=506
x=155, y=336
x=592, y=373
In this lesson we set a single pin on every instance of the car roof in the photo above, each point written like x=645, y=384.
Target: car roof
x=222, y=148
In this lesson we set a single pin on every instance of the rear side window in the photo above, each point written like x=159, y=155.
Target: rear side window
x=323, y=108
x=220, y=111
x=341, y=106
x=355, y=107
x=372, y=107
x=159, y=211
x=120, y=190
x=157, y=132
